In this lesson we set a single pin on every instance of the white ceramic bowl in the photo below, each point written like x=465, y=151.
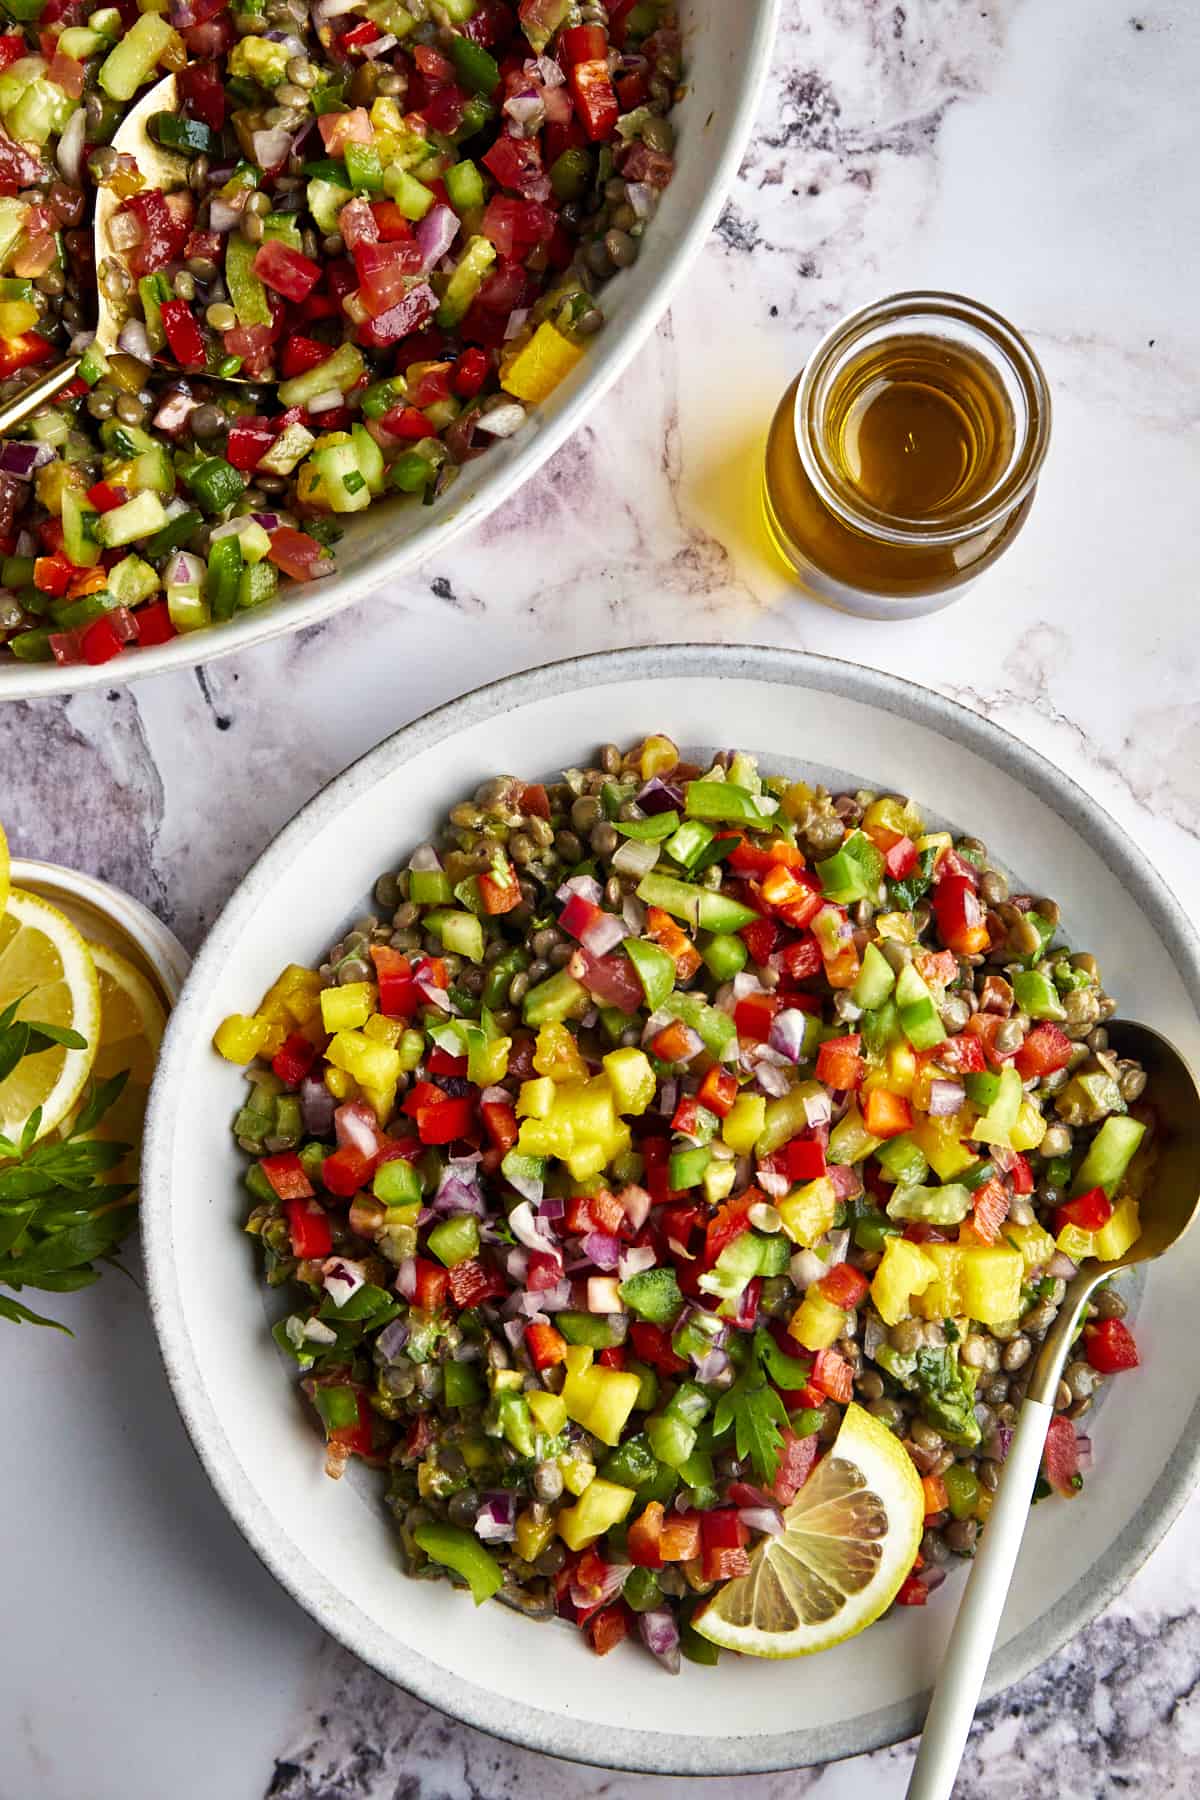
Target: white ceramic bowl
x=106, y=915
x=330, y=1543
x=727, y=47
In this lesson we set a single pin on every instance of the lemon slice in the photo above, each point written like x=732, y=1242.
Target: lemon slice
x=46, y=965
x=3, y=871
x=848, y=1541
x=132, y=1022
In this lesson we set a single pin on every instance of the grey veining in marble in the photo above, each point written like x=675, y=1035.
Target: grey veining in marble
x=1038, y=154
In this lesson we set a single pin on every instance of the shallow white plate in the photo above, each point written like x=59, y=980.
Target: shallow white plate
x=330, y=1544
x=727, y=47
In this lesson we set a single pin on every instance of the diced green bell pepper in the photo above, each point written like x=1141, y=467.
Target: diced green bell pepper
x=724, y=800
x=1109, y=1155
x=591, y=1329
x=724, y=956
x=559, y=997
x=464, y=185
x=655, y=967
x=461, y=1551
x=654, y=1295
x=454, y=1240
x=1037, y=995
x=876, y=980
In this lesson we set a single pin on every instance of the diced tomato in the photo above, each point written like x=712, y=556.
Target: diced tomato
x=546, y=1346
x=299, y=354
x=286, y=270
x=1090, y=1211
x=991, y=1204
x=802, y=959
x=471, y=1283
x=255, y=344
x=723, y=1537
x=23, y=351
x=885, y=1114
x=516, y=163
x=936, y=967
x=1060, y=1458
x=963, y=1054
x=1109, y=1346
x=644, y=1541
x=390, y=222
x=296, y=554
x=984, y=1026
x=606, y=1628
x=293, y=1059
x=500, y=1123
x=309, y=1229
x=399, y=996
x=1021, y=1176
x=12, y=46
x=913, y=1592
x=760, y=938
x=839, y=1064
x=601, y=1211
x=346, y=1170
x=718, y=1091
x=959, y=915
x=728, y=1222
x=545, y=1271
x=164, y=231
x=384, y=272
x=432, y=1284
x=183, y=335
x=287, y=1176
x=100, y=642
x=516, y=226
x=832, y=1374
x=441, y=1062
x=404, y=421
x=844, y=1286
x=805, y=1160
x=1046, y=1050
x=680, y=1541
x=653, y=1345
x=535, y=801
x=202, y=94
x=341, y=128
x=754, y=1016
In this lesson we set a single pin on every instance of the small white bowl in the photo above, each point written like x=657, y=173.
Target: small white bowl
x=105, y=915
x=331, y=1544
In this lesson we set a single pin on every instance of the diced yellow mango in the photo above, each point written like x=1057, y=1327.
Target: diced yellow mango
x=277, y=1033
x=808, y=1212
x=556, y=1054
x=601, y=1400
x=902, y=1068
x=1122, y=1231
x=658, y=755
x=536, y=370
x=718, y=1180
x=1076, y=1243
x=1036, y=1246
x=536, y=1098
x=1029, y=1129
x=893, y=815
x=371, y=1064
x=943, y=1298
x=817, y=1323
x=744, y=1122
x=578, y=1472
x=341, y=1084
x=532, y=1536
x=941, y=1141
x=297, y=990
x=381, y=1099
x=602, y=1505
x=903, y=1272
x=382, y=1030
x=631, y=1079
x=896, y=925
x=549, y=1411
x=587, y=1160
x=578, y=1358
x=991, y=1286
x=935, y=840
x=239, y=1038
x=346, y=1008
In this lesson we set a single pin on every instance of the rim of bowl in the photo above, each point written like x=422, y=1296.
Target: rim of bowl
x=527, y=1725
x=546, y=435
x=160, y=948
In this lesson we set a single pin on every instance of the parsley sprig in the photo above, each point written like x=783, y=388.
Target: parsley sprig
x=754, y=1407
x=57, y=1217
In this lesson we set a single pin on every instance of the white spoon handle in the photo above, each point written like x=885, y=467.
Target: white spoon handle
x=956, y=1694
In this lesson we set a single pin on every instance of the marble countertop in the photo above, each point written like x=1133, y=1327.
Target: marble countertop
x=1039, y=156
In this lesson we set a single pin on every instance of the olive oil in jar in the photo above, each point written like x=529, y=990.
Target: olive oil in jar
x=903, y=460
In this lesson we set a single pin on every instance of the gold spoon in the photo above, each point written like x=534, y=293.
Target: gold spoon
x=1171, y=1201
x=160, y=168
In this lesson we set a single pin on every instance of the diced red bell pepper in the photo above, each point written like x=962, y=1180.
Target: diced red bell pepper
x=390, y=222
x=595, y=99
x=546, y=1346
x=293, y=1059
x=399, y=321
x=296, y=554
x=286, y=270
x=100, y=642
x=797, y=1457
x=472, y=1282
x=688, y=1119
x=299, y=354
x=287, y=1175
x=442, y=1124
x=913, y=1592
x=309, y=1229
x=399, y=996
x=844, y=1286
x=358, y=36
x=154, y=625
x=756, y=859
x=959, y=915
x=1046, y=1050
x=644, y=1538
x=760, y=938
x=805, y=1160
x=885, y=1114
x=991, y=1204
x=356, y=1438
x=1021, y=1175
x=1109, y=1347
x=255, y=344
x=611, y=1357
x=500, y=894
x=105, y=497
x=754, y=1016
x=901, y=859
x=964, y=1054
x=680, y=1541
x=727, y=1223
x=384, y=271
x=662, y=929
x=653, y=1345
x=839, y=1064
x=183, y=335
x=12, y=47
x=1060, y=1458
x=601, y=1211
x=802, y=960
x=470, y=373
x=500, y=1123
x=582, y=43
x=606, y=1628
x=432, y=969
x=676, y=1042
x=578, y=914
x=832, y=1374
x=718, y=1091
x=345, y=1171
x=442, y=1062
x=723, y=1537
x=432, y=1284
x=1090, y=1211
x=53, y=574
x=23, y=351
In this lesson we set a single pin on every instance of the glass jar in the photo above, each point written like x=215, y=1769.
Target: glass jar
x=904, y=458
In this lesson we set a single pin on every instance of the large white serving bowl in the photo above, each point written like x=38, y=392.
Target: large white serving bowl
x=330, y=1544
x=727, y=47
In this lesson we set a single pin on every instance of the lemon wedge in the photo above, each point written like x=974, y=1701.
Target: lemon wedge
x=132, y=1022
x=47, y=967
x=849, y=1539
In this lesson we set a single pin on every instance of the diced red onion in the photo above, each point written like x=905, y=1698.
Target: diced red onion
x=271, y=148
x=514, y=1329
x=21, y=459
x=175, y=411
x=495, y=1096
x=660, y=1634
x=761, y=1518
x=527, y=111
x=379, y=46
x=341, y=1278
x=763, y=1216
x=326, y=402
x=223, y=216
x=69, y=154
x=586, y=886
x=268, y=521
x=1083, y=1445
x=668, y=1098
x=642, y=197
x=931, y=1578
x=516, y=322
x=425, y=859
x=1003, y=1158
x=1061, y=1267
x=405, y=1283
x=316, y=1331
x=604, y=933
x=713, y=1363
x=435, y=995
x=552, y=1299
x=997, y=1445
x=772, y=1080
x=603, y=1250
x=636, y=1260
x=817, y=1108
x=435, y=233
x=636, y=1202
x=316, y=1106
x=772, y=1183
x=124, y=231
x=659, y=796
x=356, y=1128
x=632, y=858
x=545, y=70
x=497, y=1521
x=603, y=1294
x=134, y=342
x=552, y=1208
x=874, y=1334
x=392, y=1339
x=846, y=1180
x=837, y=1244
x=806, y=1267
x=502, y=421
x=745, y=983
x=788, y=1031
x=607, y=1588
x=633, y=911
x=458, y=1197
x=524, y=1226
x=945, y=1098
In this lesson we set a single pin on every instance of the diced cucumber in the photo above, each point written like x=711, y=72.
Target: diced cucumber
x=290, y=447
x=466, y=281
x=342, y=481
x=325, y=201
x=13, y=214
x=132, y=581
x=281, y=228
x=80, y=41
x=258, y=584
x=247, y=294
x=132, y=60
x=153, y=471
x=341, y=371
x=137, y=518
x=80, y=540
x=875, y=981
x=1109, y=1155
x=412, y=197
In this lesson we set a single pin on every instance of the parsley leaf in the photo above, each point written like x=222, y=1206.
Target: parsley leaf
x=903, y=895
x=755, y=1409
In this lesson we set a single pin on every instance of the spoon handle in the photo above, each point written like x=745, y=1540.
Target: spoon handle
x=37, y=393
x=965, y=1663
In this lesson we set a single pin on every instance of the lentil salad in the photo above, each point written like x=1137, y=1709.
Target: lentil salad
x=398, y=211
x=675, y=1108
